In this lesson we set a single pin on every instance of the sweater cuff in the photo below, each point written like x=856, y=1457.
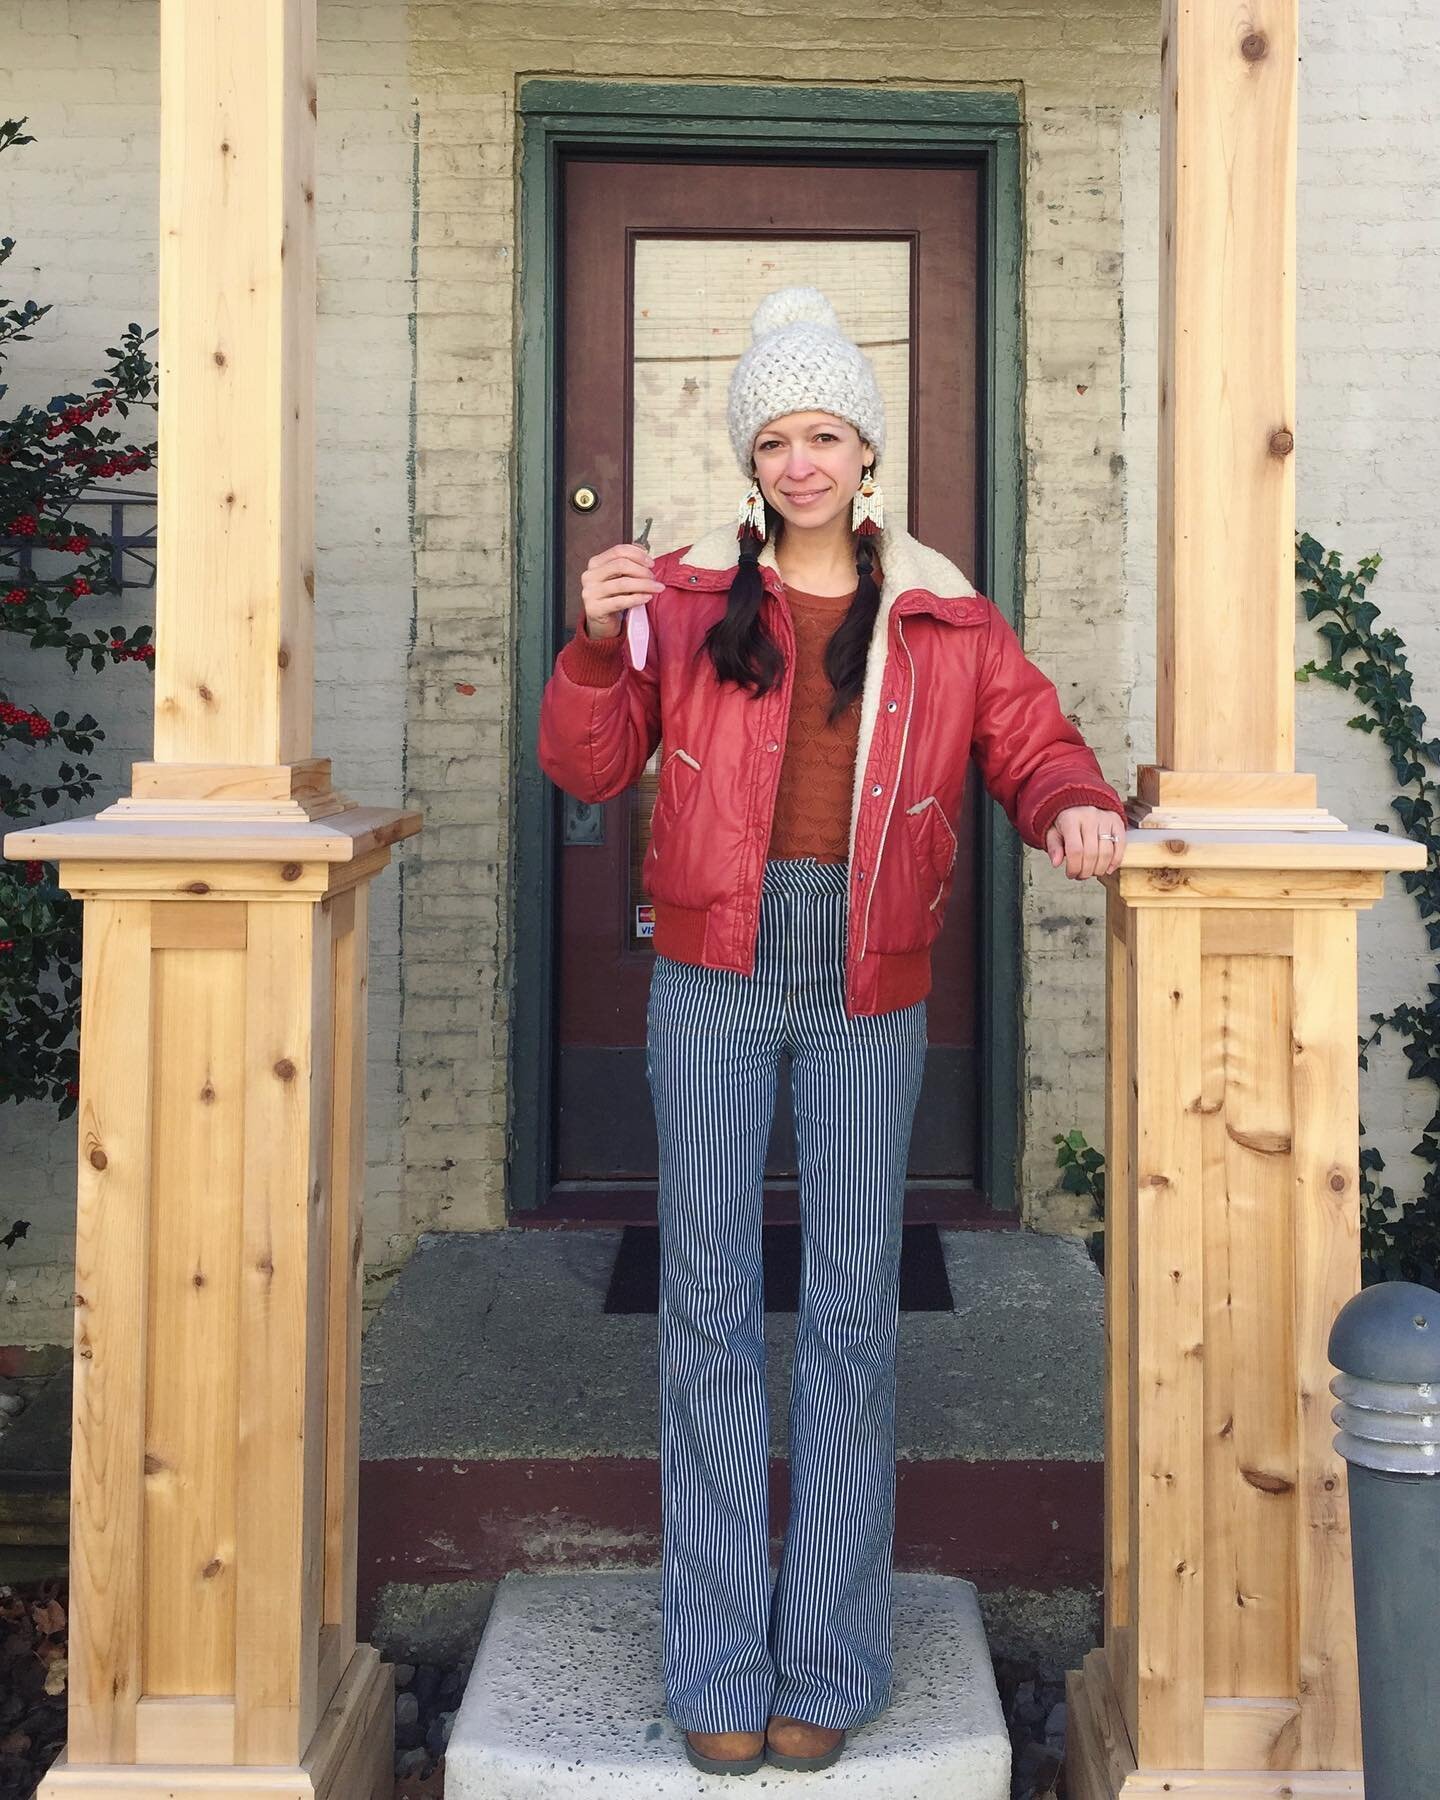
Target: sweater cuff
x=593, y=662
x=1079, y=795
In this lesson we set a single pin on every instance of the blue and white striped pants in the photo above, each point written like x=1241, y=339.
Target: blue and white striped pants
x=819, y=1646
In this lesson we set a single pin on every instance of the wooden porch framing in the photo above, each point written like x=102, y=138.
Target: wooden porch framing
x=221, y=1118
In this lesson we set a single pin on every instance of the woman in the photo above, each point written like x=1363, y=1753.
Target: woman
x=819, y=688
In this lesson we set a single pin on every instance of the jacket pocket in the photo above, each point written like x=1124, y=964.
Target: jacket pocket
x=935, y=844
x=679, y=772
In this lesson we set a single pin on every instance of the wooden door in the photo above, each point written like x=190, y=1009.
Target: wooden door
x=662, y=265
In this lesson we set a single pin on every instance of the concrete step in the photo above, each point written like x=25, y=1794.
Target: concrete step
x=565, y=1698
x=510, y=1424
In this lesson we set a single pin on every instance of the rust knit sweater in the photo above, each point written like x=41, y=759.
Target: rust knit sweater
x=812, y=806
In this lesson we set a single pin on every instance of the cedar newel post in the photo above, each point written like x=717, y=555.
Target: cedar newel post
x=1228, y=1663
x=221, y=1124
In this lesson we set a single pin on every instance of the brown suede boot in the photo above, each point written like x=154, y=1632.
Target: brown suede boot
x=726, y=1752
x=795, y=1744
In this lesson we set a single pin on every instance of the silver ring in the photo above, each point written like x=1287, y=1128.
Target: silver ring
x=1111, y=835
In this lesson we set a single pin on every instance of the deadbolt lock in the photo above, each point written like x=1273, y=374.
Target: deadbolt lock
x=584, y=499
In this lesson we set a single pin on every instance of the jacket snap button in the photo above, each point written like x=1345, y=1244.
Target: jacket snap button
x=693, y=580
x=772, y=746
x=874, y=790
x=890, y=707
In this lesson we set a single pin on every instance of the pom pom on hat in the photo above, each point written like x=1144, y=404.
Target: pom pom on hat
x=799, y=360
x=792, y=306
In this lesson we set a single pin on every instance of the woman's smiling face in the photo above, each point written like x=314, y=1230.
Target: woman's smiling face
x=809, y=465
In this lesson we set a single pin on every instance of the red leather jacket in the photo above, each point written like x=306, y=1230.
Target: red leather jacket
x=946, y=677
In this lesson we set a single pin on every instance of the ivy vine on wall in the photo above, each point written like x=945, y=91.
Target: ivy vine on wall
x=1399, y=1239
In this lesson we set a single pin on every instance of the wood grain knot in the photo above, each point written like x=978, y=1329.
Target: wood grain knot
x=290, y=871
x=1254, y=45
x=282, y=657
x=1282, y=442
x=285, y=1069
x=98, y=1159
x=1268, y=1483
x=1338, y=1183
x=197, y=887
x=1176, y=846
x=212, y=1568
x=1264, y=1143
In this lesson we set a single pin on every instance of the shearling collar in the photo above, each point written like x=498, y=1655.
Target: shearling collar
x=931, y=582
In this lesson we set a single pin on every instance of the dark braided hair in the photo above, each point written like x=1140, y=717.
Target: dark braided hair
x=742, y=651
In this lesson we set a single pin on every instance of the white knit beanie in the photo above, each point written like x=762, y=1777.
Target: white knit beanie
x=801, y=360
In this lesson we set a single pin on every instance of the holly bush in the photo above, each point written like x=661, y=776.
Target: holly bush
x=53, y=569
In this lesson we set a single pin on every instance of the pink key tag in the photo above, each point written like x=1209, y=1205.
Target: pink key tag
x=637, y=618
x=637, y=633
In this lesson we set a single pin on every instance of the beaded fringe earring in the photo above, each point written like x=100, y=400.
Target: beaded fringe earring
x=867, y=509
x=752, y=515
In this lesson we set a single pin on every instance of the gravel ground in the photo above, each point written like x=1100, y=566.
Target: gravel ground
x=427, y=1696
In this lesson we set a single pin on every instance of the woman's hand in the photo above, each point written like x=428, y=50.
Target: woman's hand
x=612, y=582
x=1075, y=836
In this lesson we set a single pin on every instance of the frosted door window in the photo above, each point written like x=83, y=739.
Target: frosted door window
x=693, y=301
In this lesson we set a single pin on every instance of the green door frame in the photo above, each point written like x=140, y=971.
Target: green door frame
x=980, y=127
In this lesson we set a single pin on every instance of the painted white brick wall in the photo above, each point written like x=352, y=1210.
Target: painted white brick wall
x=81, y=204
x=1368, y=443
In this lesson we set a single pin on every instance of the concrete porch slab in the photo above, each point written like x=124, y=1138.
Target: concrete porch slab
x=496, y=1345
x=565, y=1698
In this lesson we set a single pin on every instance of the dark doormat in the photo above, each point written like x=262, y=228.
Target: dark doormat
x=635, y=1278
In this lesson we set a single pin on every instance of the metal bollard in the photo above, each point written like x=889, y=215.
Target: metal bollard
x=1386, y=1344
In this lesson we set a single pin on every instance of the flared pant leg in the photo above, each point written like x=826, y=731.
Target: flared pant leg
x=855, y=1085
x=712, y=1058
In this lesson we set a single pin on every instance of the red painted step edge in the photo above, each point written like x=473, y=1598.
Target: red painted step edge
x=999, y=1524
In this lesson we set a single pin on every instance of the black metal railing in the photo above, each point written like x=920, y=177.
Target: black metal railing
x=127, y=531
